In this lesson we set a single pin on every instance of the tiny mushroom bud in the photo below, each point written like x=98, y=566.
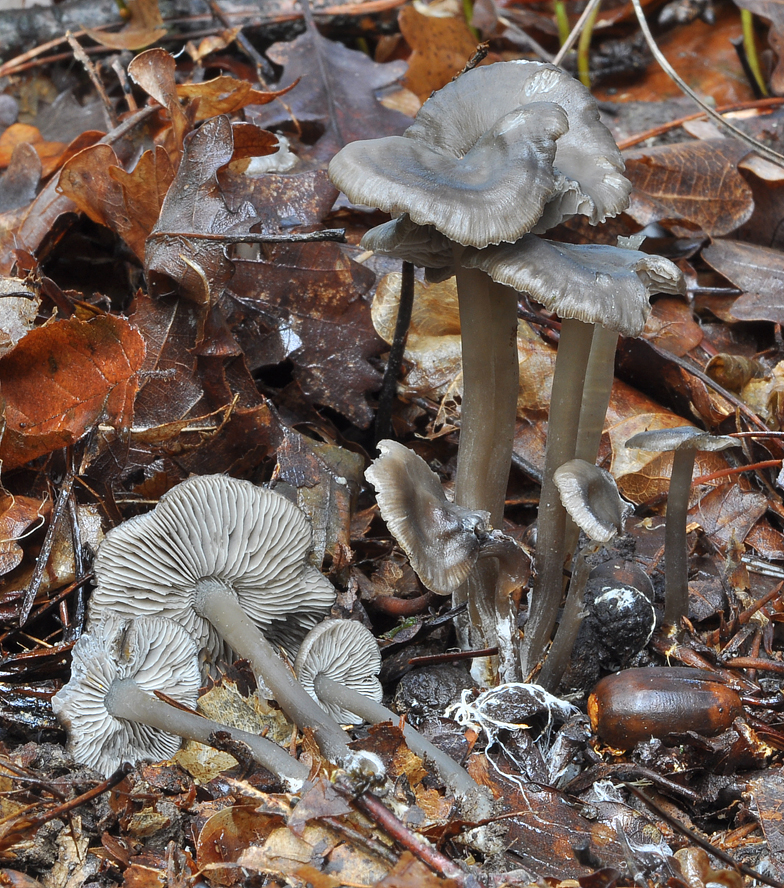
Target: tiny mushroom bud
x=684, y=441
x=634, y=705
x=222, y=556
x=590, y=496
x=338, y=664
x=113, y=716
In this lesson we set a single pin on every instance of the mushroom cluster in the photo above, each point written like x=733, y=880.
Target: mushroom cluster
x=500, y=155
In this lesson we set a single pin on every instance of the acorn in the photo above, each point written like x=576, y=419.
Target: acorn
x=637, y=704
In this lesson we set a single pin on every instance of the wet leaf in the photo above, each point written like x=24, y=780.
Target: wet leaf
x=441, y=46
x=690, y=186
x=154, y=71
x=193, y=209
x=19, y=183
x=759, y=271
x=62, y=379
x=727, y=513
x=343, y=109
x=145, y=27
x=672, y=327
x=16, y=516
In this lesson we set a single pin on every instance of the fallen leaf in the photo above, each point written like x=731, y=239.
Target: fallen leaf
x=690, y=186
x=145, y=27
x=223, y=95
x=441, y=46
x=154, y=71
x=19, y=183
x=758, y=271
x=345, y=108
x=23, y=133
x=672, y=327
x=17, y=513
x=63, y=378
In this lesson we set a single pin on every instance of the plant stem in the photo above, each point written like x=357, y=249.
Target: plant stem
x=562, y=427
x=217, y=602
x=676, y=554
x=126, y=700
x=583, y=48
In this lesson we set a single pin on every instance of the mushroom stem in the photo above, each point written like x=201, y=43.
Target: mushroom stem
x=336, y=694
x=676, y=571
x=562, y=427
x=561, y=648
x=217, y=602
x=488, y=325
x=126, y=700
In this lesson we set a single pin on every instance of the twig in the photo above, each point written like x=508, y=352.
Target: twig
x=46, y=550
x=703, y=843
x=328, y=234
x=81, y=56
x=388, y=391
x=263, y=67
x=579, y=25
x=756, y=663
x=450, y=656
x=761, y=149
x=765, y=464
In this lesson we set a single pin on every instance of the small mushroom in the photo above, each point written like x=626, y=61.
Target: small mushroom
x=112, y=714
x=448, y=544
x=590, y=496
x=219, y=555
x=684, y=442
x=338, y=664
x=598, y=291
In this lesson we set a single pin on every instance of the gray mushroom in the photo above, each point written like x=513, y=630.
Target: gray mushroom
x=338, y=664
x=684, y=442
x=590, y=496
x=111, y=712
x=598, y=291
x=223, y=556
x=449, y=545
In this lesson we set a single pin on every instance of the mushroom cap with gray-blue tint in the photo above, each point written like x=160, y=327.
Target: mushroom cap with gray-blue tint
x=158, y=655
x=590, y=496
x=593, y=283
x=680, y=438
x=345, y=652
x=254, y=540
x=442, y=540
x=500, y=151
x=420, y=244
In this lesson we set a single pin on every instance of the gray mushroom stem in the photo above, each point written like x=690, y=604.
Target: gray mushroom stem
x=676, y=570
x=126, y=700
x=336, y=694
x=562, y=429
x=488, y=329
x=217, y=602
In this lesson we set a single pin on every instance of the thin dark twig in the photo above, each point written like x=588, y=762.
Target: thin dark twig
x=450, y=656
x=46, y=550
x=327, y=234
x=388, y=391
x=702, y=843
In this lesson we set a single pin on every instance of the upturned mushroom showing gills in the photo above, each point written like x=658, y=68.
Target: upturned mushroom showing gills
x=338, y=664
x=599, y=292
x=219, y=555
x=447, y=543
x=590, y=496
x=112, y=715
x=684, y=442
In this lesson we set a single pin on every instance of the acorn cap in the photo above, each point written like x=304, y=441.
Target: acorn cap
x=441, y=539
x=158, y=655
x=502, y=150
x=594, y=283
x=253, y=539
x=346, y=652
x=680, y=438
x=590, y=496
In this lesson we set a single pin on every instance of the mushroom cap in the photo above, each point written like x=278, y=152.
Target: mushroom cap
x=254, y=540
x=590, y=496
x=158, y=655
x=420, y=244
x=441, y=539
x=346, y=652
x=594, y=283
x=502, y=150
x=680, y=438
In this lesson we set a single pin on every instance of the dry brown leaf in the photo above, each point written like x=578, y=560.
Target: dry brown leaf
x=690, y=186
x=63, y=378
x=224, y=95
x=145, y=27
x=21, y=133
x=154, y=71
x=17, y=513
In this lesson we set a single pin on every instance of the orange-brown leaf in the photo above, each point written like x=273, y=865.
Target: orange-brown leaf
x=63, y=378
x=145, y=27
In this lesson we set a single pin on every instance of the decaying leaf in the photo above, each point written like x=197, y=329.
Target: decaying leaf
x=62, y=379
x=690, y=186
x=145, y=27
x=17, y=513
x=758, y=271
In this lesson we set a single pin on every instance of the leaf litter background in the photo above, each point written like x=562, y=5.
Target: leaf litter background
x=140, y=343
